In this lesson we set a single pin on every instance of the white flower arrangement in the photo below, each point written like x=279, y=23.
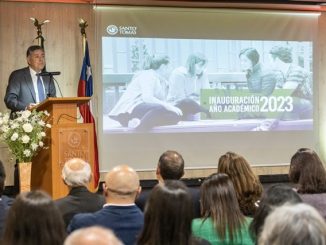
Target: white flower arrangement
x=24, y=134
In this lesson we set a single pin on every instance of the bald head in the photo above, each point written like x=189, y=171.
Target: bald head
x=76, y=172
x=92, y=236
x=122, y=182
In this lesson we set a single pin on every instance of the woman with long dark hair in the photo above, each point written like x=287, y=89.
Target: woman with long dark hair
x=34, y=220
x=168, y=216
x=222, y=221
x=308, y=173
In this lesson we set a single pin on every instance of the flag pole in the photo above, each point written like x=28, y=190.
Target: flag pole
x=85, y=87
x=83, y=24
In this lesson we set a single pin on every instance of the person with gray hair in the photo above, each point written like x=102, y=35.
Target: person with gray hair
x=294, y=224
x=94, y=235
x=77, y=174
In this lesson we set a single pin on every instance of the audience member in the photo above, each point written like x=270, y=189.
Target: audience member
x=246, y=184
x=170, y=167
x=94, y=235
x=168, y=216
x=5, y=202
x=308, y=172
x=274, y=196
x=120, y=212
x=293, y=225
x=33, y=219
x=76, y=174
x=222, y=221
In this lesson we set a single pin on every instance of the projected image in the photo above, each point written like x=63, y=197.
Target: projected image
x=189, y=85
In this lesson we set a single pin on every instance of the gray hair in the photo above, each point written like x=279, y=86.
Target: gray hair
x=294, y=224
x=92, y=236
x=76, y=172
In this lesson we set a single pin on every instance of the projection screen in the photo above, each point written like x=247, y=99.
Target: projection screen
x=203, y=82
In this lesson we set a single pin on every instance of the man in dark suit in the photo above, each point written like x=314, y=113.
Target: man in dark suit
x=25, y=88
x=171, y=167
x=120, y=213
x=77, y=174
x=5, y=202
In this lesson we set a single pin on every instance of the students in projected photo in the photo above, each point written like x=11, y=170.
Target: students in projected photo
x=295, y=78
x=260, y=80
x=185, y=85
x=143, y=105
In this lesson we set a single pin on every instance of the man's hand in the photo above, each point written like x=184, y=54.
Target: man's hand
x=30, y=106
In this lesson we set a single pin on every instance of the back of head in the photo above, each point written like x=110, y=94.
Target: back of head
x=274, y=196
x=219, y=202
x=171, y=165
x=284, y=53
x=39, y=222
x=94, y=235
x=121, y=185
x=292, y=225
x=2, y=178
x=76, y=172
x=245, y=182
x=168, y=215
x=308, y=171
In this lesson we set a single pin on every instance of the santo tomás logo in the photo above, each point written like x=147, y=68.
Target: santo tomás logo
x=112, y=29
x=122, y=30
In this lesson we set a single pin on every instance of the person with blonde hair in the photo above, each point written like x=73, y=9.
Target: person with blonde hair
x=292, y=225
x=246, y=184
x=120, y=214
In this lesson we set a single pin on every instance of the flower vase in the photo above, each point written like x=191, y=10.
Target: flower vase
x=25, y=171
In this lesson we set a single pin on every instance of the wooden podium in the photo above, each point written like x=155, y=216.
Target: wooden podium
x=65, y=140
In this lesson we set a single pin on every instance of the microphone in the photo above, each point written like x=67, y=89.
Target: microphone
x=48, y=73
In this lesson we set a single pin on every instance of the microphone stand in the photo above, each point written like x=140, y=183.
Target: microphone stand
x=51, y=81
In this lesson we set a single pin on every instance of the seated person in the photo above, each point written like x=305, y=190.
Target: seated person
x=77, y=174
x=120, y=214
x=185, y=85
x=292, y=225
x=143, y=105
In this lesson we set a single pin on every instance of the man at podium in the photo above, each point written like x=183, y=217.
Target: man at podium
x=25, y=87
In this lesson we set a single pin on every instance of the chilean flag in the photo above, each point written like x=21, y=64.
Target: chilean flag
x=85, y=88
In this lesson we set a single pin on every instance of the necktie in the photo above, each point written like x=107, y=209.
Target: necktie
x=40, y=89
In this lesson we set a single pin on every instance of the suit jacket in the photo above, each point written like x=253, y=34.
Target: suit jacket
x=79, y=200
x=5, y=204
x=126, y=221
x=20, y=91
